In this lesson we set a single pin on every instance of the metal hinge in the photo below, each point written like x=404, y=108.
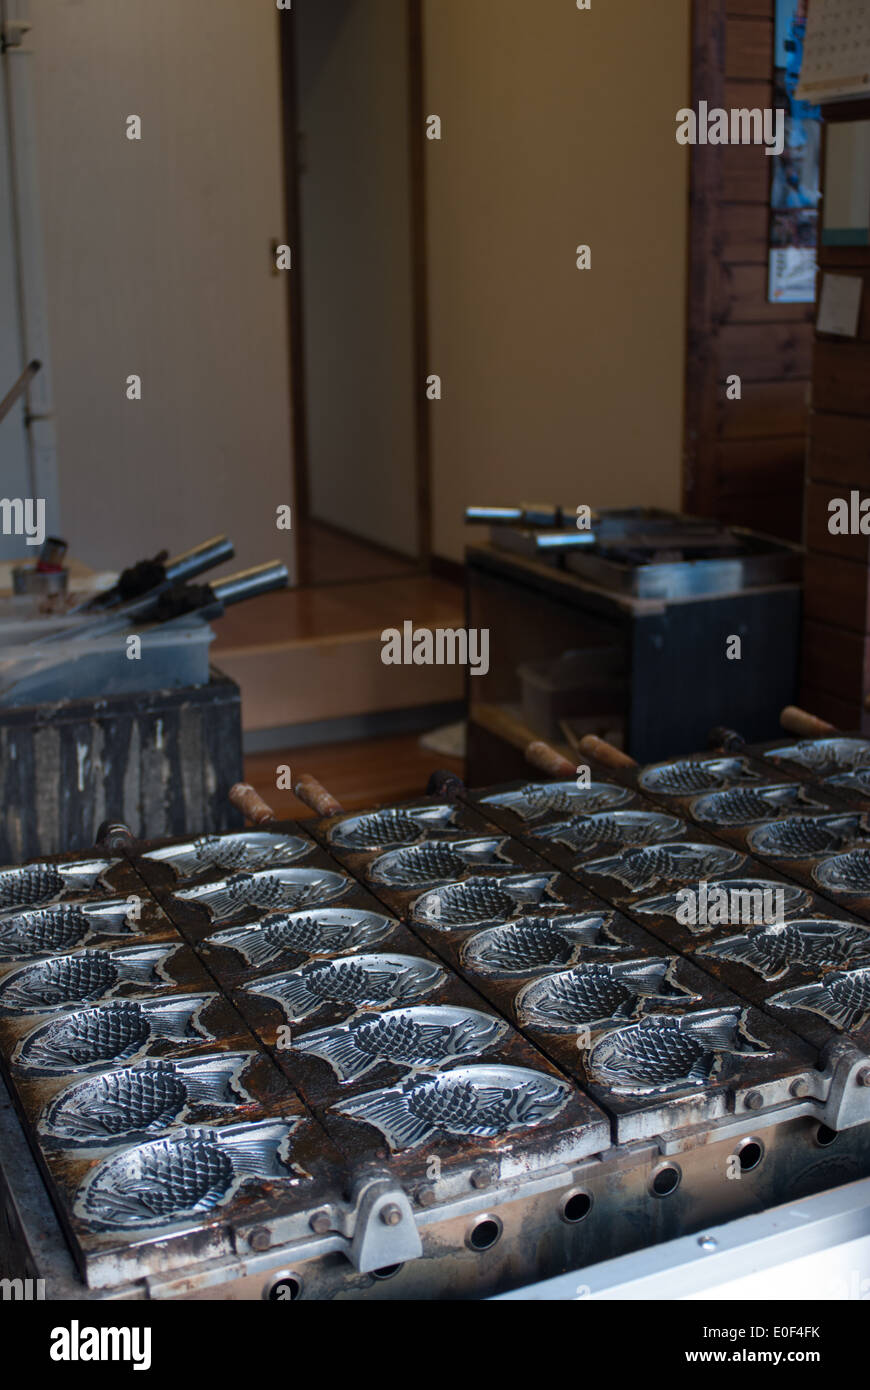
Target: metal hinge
x=12, y=34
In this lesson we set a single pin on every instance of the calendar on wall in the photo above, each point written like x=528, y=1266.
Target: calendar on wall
x=836, y=51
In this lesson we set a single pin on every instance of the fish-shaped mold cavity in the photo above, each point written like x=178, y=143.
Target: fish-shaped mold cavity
x=857, y=781
x=733, y=902
x=818, y=943
x=806, y=837
x=845, y=873
x=477, y=901
x=186, y=1174
x=143, y=1099
x=536, y=942
x=597, y=993
x=328, y=931
x=48, y=931
x=612, y=830
x=353, y=982
x=479, y=1101
x=641, y=869
x=688, y=777
x=269, y=890
x=33, y=884
x=538, y=799
x=61, y=982
x=436, y=861
x=426, y=1036
x=825, y=756
x=247, y=849
x=391, y=828
x=743, y=805
x=842, y=997
x=663, y=1052
x=88, y=1040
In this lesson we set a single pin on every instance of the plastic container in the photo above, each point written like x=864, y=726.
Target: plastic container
x=588, y=681
x=171, y=655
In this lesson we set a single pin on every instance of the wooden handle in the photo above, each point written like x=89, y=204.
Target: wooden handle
x=594, y=747
x=251, y=804
x=309, y=791
x=798, y=721
x=548, y=761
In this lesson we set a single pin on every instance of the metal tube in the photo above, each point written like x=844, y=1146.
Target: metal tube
x=249, y=583
x=200, y=558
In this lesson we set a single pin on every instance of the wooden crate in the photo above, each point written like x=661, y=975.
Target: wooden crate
x=162, y=762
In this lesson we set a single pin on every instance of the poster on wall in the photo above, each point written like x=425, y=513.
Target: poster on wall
x=794, y=195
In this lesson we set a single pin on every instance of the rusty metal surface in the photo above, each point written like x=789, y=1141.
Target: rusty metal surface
x=424, y=1060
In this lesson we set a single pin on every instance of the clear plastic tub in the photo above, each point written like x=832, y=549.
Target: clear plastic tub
x=171, y=655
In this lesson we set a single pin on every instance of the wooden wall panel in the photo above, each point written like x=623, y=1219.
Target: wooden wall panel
x=744, y=459
x=836, y=635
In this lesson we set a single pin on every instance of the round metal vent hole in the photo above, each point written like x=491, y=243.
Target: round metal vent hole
x=749, y=1154
x=484, y=1234
x=387, y=1271
x=825, y=1136
x=665, y=1181
x=286, y=1288
x=576, y=1206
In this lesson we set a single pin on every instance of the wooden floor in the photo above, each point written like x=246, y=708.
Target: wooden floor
x=328, y=556
x=373, y=772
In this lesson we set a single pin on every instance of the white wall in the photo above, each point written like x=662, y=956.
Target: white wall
x=558, y=129
x=352, y=64
x=158, y=263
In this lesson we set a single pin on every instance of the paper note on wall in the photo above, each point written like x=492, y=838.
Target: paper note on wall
x=840, y=305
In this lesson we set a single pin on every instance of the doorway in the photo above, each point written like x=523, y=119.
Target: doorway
x=353, y=133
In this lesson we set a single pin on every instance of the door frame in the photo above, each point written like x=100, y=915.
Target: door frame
x=419, y=289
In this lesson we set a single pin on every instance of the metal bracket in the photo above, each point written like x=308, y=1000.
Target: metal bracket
x=12, y=34
x=385, y=1232
x=847, y=1070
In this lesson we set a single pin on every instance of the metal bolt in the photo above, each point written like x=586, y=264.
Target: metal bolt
x=708, y=1242
x=260, y=1238
x=320, y=1222
x=863, y=1077
x=481, y=1177
x=391, y=1214
x=799, y=1088
x=753, y=1100
x=425, y=1196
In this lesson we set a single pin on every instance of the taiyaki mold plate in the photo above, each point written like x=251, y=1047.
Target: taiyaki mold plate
x=227, y=1081
x=651, y=869
x=287, y=940
x=78, y=877
x=530, y=805
x=745, y=806
x=809, y=838
x=395, y=1014
x=91, y=975
x=34, y=932
x=194, y=1193
x=84, y=1041
x=400, y=835
x=666, y=1071
x=440, y=861
x=397, y=827
x=213, y=856
x=821, y=757
x=578, y=841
